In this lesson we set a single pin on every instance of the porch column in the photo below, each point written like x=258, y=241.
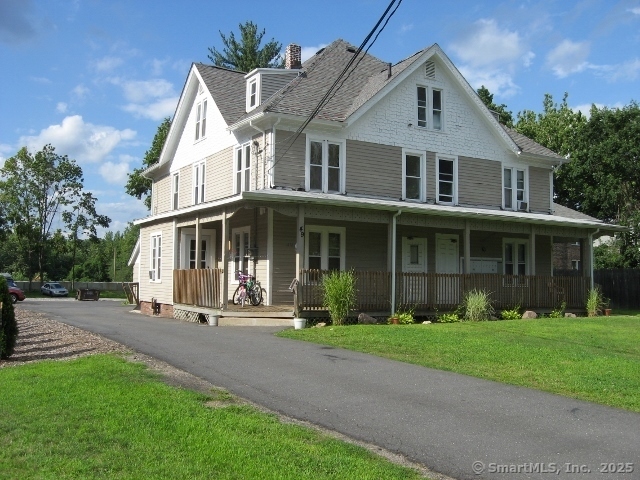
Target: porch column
x=532, y=251
x=300, y=242
x=467, y=247
x=198, y=241
x=224, y=283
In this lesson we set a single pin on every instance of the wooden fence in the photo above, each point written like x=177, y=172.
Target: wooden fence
x=444, y=292
x=200, y=287
x=620, y=286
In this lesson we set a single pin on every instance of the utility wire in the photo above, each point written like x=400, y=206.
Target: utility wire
x=334, y=87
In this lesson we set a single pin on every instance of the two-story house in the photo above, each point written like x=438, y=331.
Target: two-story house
x=400, y=173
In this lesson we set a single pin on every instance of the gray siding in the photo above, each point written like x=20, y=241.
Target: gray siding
x=539, y=190
x=162, y=195
x=479, y=182
x=271, y=83
x=284, y=257
x=431, y=176
x=289, y=167
x=543, y=255
x=374, y=169
x=219, y=175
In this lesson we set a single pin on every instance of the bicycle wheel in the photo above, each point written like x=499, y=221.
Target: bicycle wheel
x=236, y=296
x=255, y=295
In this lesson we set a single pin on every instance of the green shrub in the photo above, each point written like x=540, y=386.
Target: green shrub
x=595, y=302
x=9, y=330
x=558, y=312
x=339, y=295
x=477, y=306
x=511, y=314
x=452, y=317
x=405, y=317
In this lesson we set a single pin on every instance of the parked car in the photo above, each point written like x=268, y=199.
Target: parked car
x=54, y=289
x=16, y=294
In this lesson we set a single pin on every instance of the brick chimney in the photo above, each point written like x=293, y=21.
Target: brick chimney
x=293, y=56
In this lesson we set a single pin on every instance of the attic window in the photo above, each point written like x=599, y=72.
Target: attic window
x=430, y=70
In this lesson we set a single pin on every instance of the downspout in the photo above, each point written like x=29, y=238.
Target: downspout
x=393, y=261
x=590, y=237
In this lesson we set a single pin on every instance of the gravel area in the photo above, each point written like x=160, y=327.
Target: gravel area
x=40, y=338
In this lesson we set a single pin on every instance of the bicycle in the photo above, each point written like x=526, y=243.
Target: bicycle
x=249, y=288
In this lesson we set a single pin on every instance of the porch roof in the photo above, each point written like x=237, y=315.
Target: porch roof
x=562, y=216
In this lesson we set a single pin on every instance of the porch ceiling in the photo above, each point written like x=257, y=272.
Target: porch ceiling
x=427, y=209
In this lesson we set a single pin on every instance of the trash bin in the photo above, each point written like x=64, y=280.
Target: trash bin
x=88, y=294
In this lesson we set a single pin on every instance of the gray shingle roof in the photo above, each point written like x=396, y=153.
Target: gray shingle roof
x=529, y=146
x=565, y=212
x=228, y=89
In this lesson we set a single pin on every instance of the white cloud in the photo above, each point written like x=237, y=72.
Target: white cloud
x=107, y=64
x=140, y=91
x=407, y=27
x=586, y=107
x=154, y=111
x=628, y=71
x=635, y=10
x=81, y=141
x=114, y=173
x=61, y=107
x=80, y=91
x=490, y=56
x=308, y=52
x=568, y=58
x=121, y=213
x=42, y=80
x=157, y=66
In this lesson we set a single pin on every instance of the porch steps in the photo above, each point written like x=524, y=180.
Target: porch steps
x=255, y=322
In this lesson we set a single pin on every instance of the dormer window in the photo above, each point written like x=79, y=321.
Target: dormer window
x=253, y=93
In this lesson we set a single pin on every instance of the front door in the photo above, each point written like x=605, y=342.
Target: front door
x=447, y=261
x=414, y=266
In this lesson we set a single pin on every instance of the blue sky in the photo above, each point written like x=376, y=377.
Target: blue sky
x=95, y=78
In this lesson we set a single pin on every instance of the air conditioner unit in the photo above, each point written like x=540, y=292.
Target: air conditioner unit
x=523, y=206
x=152, y=275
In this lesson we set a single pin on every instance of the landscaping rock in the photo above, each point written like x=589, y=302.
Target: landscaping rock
x=426, y=322
x=364, y=319
x=570, y=315
x=529, y=314
x=320, y=325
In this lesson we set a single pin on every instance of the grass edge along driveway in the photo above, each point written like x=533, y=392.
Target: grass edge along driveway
x=593, y=359
x=103, y=417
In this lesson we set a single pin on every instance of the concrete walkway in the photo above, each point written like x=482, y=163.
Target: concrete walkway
x=460, y=426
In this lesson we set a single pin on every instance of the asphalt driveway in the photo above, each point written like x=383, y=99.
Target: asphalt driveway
x=461, y=426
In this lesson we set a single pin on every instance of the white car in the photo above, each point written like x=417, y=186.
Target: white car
x=54, y=289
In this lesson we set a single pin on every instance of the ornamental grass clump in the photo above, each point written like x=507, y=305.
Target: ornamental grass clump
x=477, y=306
x=595, y=302
x=339, y=295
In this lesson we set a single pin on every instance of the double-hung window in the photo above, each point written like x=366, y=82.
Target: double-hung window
x=429, y=107
x=253, y=93
x=325, y=165
x=201, y=119
x=514, y=183
x=175, y=186
x=325, y=247
x=242, y=168
x=155, y=257
x=447, y=180
x=414, y=176
x=198, y=182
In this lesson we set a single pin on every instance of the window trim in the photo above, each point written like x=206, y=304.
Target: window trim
x=454, y=159
x=514, y=190
x=325, y=164
x=199, y=181
x=324, y=231
x=423, y=175
x=175, y=190
x=201, y=120
x=155, y=261
x=244, y=152
x=429, y=108
x=256, y=80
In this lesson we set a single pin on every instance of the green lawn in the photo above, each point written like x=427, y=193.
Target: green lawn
x=103, y=417
x=595, y=359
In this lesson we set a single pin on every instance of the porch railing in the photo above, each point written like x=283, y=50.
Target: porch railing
x=199, y=287
x=438, y=291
